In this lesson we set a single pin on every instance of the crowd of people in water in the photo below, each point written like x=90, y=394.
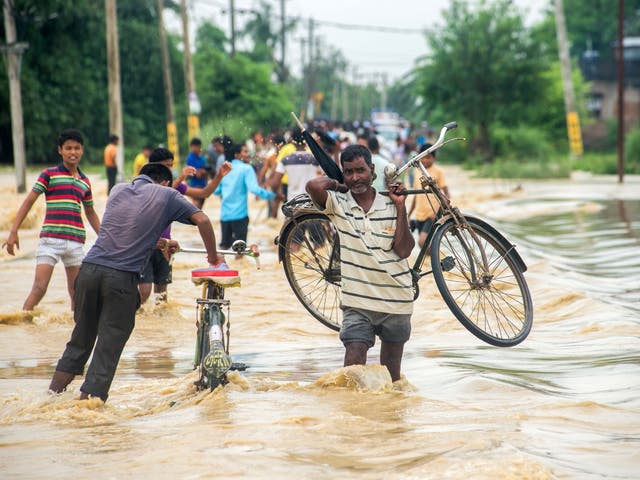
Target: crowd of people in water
x=132, y=252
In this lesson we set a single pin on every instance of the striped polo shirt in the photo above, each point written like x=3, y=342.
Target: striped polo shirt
x=373, y=276
x=65, y=195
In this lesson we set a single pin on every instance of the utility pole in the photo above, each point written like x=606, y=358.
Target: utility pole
x=357, y=93
x=383, y=93
x=303, y=83
x=283, y=27
x=193, y=103
x=115, y=95
x=345, y=97
x=232, y=19
x=334, y=98
x=172, y=131
x=573, y=120
x=13, y=52
x=620, y=60
x=310, y=70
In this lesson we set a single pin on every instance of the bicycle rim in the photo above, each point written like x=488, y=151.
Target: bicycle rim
x=496, y=307
x=309, y=244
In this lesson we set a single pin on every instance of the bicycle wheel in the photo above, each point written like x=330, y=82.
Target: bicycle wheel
x=310, y=253
x=496, y=305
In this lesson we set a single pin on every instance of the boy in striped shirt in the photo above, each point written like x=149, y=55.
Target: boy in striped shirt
x=375, y=241
x=62, y=236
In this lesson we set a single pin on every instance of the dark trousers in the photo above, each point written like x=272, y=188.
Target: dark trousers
x=106, y=301
x=233, y=230
x=111, y=177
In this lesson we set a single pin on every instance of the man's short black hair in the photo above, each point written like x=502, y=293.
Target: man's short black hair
x=350, y=153
x=157, y=172
x=195, y=141
x=373, y=143
x=113, y=138
x=70, y=134
x=160, y=154
x=427, y=145
x=234, y=150
x=296, y=136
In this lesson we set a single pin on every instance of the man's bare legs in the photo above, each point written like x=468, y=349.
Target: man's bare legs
x=39, y=287
x=145, y=291
x=391, y=357
x=355, y=353
x=72, y=273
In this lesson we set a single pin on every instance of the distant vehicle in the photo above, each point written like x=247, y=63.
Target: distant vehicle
x=388, y=126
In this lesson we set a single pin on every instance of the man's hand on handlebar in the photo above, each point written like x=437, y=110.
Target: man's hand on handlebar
x=397, y=192
x=215, y=261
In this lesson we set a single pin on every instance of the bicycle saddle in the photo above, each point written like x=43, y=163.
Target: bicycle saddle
x=225, y=277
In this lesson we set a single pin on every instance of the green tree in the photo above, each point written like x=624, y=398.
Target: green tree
x=593, y=25
x=266, y=34
x=64, y=75
x=484, y=68
x=238, y=88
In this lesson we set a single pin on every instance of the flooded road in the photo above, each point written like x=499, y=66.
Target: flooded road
x=563, y=404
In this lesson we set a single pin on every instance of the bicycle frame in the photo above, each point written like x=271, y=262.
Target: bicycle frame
x=211, y=355
x=446, y=210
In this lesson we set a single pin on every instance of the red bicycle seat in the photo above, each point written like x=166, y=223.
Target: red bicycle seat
x=222, y=275
x=212, y=272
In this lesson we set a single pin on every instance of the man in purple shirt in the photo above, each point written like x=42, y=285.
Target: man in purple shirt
x=158, y=272
x=106, y=295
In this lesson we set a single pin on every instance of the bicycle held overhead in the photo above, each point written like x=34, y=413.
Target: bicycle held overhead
x=478, y=272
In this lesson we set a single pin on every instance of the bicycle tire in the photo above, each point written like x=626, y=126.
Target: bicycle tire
x=310, y=257
x=212, y=313
x=496, y=308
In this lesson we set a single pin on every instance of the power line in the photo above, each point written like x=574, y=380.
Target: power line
x=327, y=23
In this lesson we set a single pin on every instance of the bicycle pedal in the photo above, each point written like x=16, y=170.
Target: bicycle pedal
x=241, y=367
x=447, y=263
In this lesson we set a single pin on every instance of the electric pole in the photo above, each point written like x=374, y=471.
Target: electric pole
x=193, y=103
x=334, y=97
x=172, y=131
x=115, y=95
x=13, y=52
x=283, y=27
x=620, y=60
x=345, y=97
x=310, y=71
x=357, y=108
x=232, y=19
x=303, y=83
x=573, y=120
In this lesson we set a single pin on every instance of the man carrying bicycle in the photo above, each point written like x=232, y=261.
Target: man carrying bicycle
x=375, y=241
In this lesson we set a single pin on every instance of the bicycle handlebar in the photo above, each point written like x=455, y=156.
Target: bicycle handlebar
x=391, y=171
x=239, y=247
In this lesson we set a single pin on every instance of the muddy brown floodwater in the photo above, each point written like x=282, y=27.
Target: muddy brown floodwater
x=563, y=404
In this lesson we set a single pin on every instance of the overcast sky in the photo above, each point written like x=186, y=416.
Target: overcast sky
x=370, y=51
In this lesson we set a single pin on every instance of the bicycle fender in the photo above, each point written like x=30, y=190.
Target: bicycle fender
x=513, y=253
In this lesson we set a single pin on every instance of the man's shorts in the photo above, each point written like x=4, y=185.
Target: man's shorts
x=52, y=250
x=425, y=225
x=360, y=325
x=157, y=270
